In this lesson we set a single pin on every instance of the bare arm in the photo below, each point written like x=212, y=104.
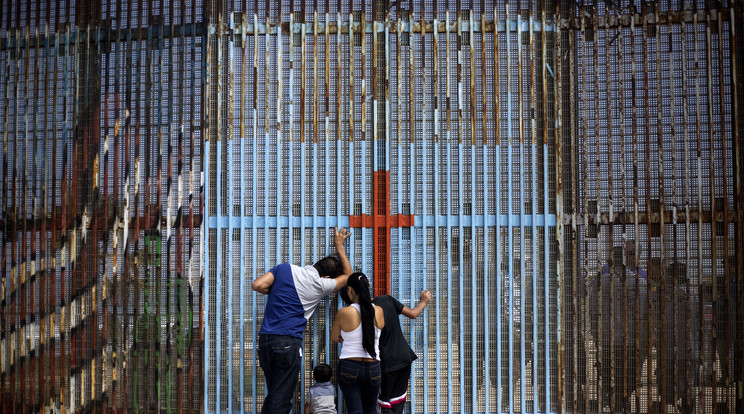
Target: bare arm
x=307, y=407
x=415, y=312
x=379, y=317
x=263, y=283
x=336, y=329
x=339, y=238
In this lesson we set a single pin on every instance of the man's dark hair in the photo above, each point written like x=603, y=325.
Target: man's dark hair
x=329, y=266
x=322, y=373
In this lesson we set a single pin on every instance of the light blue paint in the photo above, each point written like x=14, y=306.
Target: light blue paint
x=499, y=276
x=297, y=28
x=230, y=272
x=473, y=260
x=547, y=290
x=486, y=322
x=436, y=277
x=461, y=274
x=480, y=220
x=205, y=274
x=254, y=267
x=218, y=288
x=363, y=192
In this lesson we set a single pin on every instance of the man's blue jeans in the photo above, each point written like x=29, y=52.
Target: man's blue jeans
x=279, y=357
x=360, y=385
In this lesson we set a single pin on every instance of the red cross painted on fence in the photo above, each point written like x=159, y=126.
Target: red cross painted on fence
x=381, y=222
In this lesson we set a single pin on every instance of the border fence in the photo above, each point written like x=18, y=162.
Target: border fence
x=565, y=177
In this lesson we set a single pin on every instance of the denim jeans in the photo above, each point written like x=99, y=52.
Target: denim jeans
x=360, y=383
x=279, y=357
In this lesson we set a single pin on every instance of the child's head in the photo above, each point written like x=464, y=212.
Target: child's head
x=322, y=373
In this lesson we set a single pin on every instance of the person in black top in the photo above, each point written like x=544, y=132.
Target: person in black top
x=395, y=353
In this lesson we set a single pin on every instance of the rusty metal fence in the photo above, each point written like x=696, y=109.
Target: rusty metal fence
x=564, y=176
x=101, y=206
x=652, y=270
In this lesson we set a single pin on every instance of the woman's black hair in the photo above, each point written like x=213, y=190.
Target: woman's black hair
x=358, y=281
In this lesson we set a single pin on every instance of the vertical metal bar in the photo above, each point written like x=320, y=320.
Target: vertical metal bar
x=278, y=125
x=374, y=210
x=243, y=272
x=449, y=201
x=326, y=170
x=11, y=318
x=739, y=281
x=497, y=209
x=676, y=334
x=339, y=140
x=45, y=269
x=412, y=177
x=219, y=229
x=714, y=218
x=23, y=264
x=600, y=333
x=486, y=336
x=230, y=203
x=363, y=172
x=701, y=308
x=399, y=82
x=254, y=214
x=473, y=170
x=624, y=289
x=460, y=187
x=149, y=348
x=649, y=271
x=201, y=209
x=315, y=97
x=338, y=117
x=424, y=229
x=32, y=259
x=662, y=207
x=291, y=147
x=636, y=235
x=510, y=231
x=267, y=125
x=725, y=335
x=205, y=222
x=116, y=391
x=533, y=213
x=436, y=201
x=64, y=192
x=574, y=154
x=399, y=27
x=687, y=369
x=314, y=253
x=546, y=210
x=585, y=207
x=22, y=208
x=254, y=209
x=608, y=354
x=350, y=142
x=5, y=320
x=522, y=275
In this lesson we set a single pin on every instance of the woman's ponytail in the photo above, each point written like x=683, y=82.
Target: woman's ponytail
x=359, y=282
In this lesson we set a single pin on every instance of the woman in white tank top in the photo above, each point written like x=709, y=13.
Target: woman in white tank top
x=358, y=328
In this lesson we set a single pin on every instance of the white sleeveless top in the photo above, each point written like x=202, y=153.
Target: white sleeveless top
x=352, y=346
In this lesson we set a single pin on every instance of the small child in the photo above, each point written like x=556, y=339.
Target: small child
x=321, y=398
